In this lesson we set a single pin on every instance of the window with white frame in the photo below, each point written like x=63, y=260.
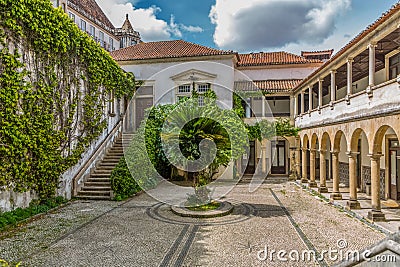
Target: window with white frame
x=111, y=41
x=202, y=88
x=72, y=16
x=92, y=30
x=185, y=88
x=201, y=101
x=101, y=38
x=184, y=91
x=83, y=25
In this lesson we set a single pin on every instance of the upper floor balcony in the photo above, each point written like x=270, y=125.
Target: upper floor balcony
x=360, y=81
x=378, y=100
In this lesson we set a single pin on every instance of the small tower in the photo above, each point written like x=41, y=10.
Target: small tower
x=128, y=36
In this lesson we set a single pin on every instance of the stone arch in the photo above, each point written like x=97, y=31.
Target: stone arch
x=314, y=140
x=338, y=137
x=324, y=140
x=354, y=139
x=378, y=138
x=305, y=143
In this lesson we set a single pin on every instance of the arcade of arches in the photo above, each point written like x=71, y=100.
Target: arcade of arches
x=362, y=155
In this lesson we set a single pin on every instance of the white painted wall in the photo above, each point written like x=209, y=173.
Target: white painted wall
x=274, y=73
x=161, y=75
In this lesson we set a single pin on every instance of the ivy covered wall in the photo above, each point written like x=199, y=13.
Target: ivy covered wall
x=56, y=86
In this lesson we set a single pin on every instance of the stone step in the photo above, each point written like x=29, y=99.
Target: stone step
x=110, y=163
x=106, y=166
x=96, y=188
x=118, y=154
x=97, y=184
x=95, y=192
x=100, y=177
x=102, y=171
x=111, y=160
x=111, y=157
x=89, y=197
x=99, y=180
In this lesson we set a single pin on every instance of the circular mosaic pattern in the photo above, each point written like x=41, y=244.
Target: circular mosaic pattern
x=162, y=212
x=224, y=209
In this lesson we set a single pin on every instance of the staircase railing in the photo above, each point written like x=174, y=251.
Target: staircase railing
x=99, y=152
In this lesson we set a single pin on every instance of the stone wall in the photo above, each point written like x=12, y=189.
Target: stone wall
x=344, y=173
x=10, y=200
x=366, y=178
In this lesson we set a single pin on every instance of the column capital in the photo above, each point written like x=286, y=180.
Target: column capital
x=335, y=152
x=350, y=60
x=322, y=151
x=372, y=45
x=375, y=157
x=320, y=80
x=352, y=154
x=334, y=71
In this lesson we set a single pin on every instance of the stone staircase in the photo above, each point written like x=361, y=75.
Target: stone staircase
x=98, y=184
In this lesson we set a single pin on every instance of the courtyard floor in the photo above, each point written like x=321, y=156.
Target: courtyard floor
x=144, y=232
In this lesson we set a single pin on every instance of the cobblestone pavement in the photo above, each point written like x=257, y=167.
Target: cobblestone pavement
x=144, y=232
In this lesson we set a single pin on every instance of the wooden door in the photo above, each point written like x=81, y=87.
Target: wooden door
x=141, y=104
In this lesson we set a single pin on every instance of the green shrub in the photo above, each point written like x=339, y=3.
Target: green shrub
x=19, y=214
x=122, y=182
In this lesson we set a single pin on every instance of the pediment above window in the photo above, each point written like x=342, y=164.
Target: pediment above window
x=194, y=76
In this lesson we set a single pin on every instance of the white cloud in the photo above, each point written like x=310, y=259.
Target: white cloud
x=191, y=28
x=174, y=28
x=144, y=20
x=266, y=24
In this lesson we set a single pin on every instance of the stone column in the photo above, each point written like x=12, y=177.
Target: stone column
x=310, y=99
x=320, y=93
x=298, y=157
x=371, y=75
x=302, y=103
x=353, y=202
x=304, y=178
x=336, y=195
x=293, y=111
x=264, y=156
x=333, y=87
x=322, y=172
x=312, y=182
x=295, y=108
x=349, y=79
x=375, y=214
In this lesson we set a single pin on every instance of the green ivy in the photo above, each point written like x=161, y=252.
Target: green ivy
x=122, y=182
x=55, y=83
x=268, y=129
x=16, y=216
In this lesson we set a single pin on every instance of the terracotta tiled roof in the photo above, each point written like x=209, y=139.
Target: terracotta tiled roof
x=372, y=27
x=267, y=85
x=165, y=49
x=272, y=58
x=322, y=52
x=91, y=10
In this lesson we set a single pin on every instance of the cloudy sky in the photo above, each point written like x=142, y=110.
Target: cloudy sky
x=250, y=25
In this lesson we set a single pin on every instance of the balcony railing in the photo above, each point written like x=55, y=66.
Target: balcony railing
x=383, y=99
